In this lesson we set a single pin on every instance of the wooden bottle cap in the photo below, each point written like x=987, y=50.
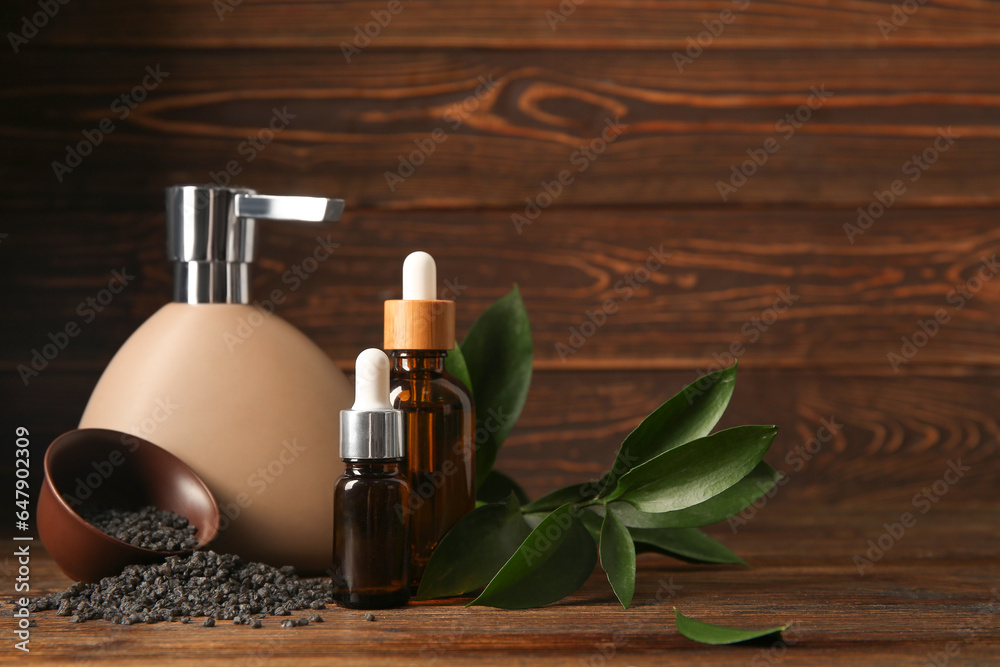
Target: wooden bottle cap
x=419, y=325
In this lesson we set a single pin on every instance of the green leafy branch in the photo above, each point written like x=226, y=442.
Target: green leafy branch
x=670, y=476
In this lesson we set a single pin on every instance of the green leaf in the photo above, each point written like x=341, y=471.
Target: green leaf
x=709, y=633
x=592, y=518
x=498, y=487
x=691, y=414
x=730, y=502
x=555, y=560
x=573, y=493
x=696, y=471
x=688, y=544
x=454, y=363
x=618, y=558
x=498, y=353
x=474, y=550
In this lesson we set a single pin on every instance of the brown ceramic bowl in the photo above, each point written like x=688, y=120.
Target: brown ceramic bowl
x=100, y=468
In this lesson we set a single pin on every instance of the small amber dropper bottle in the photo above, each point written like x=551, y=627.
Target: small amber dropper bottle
x=371, y=546
x=439, y=419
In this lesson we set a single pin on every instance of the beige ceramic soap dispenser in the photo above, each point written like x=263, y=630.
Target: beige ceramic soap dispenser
x=237, y=393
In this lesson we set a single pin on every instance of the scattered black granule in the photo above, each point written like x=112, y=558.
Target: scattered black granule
x=203, y=583
x=369, y=617
x=288, y=624
x=315, y=618
x=148, y=527
x=256, y=623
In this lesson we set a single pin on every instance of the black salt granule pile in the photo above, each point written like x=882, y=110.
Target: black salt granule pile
x=148, y=527
x=203, y=583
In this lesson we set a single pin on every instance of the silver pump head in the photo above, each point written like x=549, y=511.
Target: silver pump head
x=371, y=429
x=211, y=236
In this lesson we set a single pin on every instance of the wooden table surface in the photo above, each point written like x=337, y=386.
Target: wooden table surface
x=932, y=599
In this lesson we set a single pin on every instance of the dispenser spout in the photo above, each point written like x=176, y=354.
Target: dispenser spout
x=299, y=209
x=211, y=235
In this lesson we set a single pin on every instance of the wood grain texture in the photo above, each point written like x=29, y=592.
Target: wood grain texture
x=936, y=585
x=849, y=306
x=822, y=362
x=681, y=133
x=845, y=438
x=594, y=24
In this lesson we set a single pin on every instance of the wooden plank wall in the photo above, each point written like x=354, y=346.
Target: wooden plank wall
x=840, y=99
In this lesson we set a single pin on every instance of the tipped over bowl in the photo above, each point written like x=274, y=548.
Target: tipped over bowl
x=92, y=468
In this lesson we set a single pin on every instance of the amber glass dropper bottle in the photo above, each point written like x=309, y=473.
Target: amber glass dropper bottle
x=371, y=543
x=438, y=414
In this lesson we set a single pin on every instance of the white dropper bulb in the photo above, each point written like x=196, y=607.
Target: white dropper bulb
x=371, y=381
x=419, y=277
